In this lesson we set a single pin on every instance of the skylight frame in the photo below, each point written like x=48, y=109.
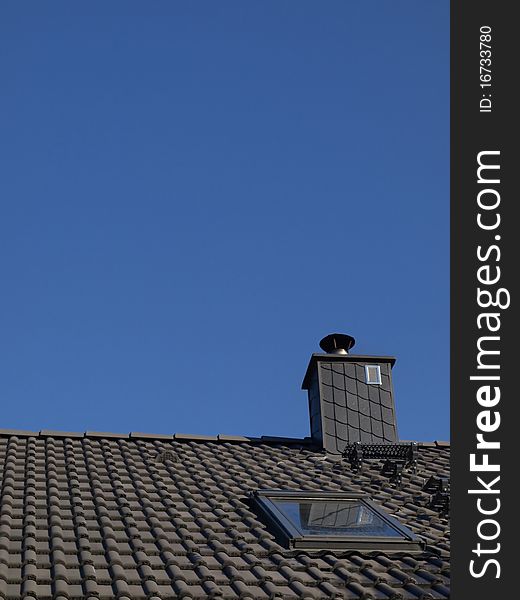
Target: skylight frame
x=290, y=536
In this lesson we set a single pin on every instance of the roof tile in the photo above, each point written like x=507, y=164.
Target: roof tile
x=194, y=436
x=149, y=436
x=105, y=435
x=17, y=432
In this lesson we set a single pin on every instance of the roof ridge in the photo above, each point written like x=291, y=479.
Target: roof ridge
x=194, y=437
x=221, y=437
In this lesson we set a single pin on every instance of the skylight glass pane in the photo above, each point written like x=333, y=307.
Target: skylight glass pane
x=335, y=518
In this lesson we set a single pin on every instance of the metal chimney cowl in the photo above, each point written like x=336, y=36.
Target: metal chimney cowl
x=351, y=397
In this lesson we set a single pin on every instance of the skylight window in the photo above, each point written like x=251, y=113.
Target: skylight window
x=373, y=374
x=335, y=520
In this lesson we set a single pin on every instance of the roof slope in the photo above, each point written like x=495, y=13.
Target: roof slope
x=86, y=517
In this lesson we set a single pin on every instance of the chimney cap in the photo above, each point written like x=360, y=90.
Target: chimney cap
x=337, y=343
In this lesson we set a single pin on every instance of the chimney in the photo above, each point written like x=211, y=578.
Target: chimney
x=351, y=397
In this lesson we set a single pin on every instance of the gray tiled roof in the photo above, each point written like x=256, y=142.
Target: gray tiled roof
x=134, y=517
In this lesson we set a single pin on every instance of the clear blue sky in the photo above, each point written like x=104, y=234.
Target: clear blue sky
x=194, y=193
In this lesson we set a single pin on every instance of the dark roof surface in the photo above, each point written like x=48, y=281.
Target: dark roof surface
x=160, y=517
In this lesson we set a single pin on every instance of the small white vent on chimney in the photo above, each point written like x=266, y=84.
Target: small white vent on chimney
x=373, y=374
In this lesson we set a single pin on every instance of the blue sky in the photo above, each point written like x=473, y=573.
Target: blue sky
x=194, y=193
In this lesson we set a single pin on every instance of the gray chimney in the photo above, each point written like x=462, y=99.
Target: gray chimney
x=351, y=398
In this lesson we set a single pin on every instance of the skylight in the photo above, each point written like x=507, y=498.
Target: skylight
x=341, y=520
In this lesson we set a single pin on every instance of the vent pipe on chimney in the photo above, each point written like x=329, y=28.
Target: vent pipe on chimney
x=337, y=343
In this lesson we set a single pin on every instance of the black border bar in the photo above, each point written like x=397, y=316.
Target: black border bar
x=484, y=245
